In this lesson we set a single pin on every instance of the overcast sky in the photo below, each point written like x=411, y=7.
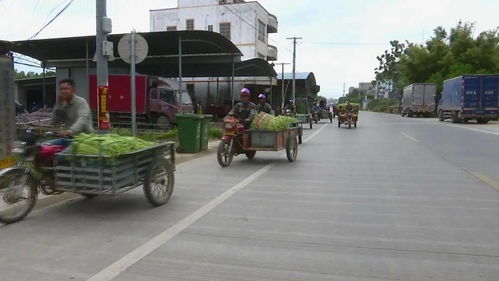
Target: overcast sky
x=341, y=39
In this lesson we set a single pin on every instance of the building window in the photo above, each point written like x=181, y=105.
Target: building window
x=225, y=29
x=189, y=24
x=210, y=28
x=171, y=28
x=261, y=31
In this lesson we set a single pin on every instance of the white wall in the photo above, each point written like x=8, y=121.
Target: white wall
x=243, y=18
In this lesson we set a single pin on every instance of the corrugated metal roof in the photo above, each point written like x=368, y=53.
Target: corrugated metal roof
x=298, y=76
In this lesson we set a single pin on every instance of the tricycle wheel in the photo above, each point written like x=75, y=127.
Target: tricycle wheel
x=330, y=118
x=339, y=123
x=159, y=182
x=311, y=125
x=18, y=195
x=250, y=154
x=291, y=149
x=224, y=155
x=355, y=124
x=349, y=125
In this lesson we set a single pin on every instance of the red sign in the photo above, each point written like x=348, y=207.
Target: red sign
x=102, y=101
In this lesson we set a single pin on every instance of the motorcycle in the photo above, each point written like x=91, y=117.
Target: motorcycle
x=232, y=142
x=33, y=173
x=315, y=116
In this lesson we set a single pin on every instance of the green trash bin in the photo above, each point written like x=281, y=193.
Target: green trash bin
x=189, y=132
x=205, y=131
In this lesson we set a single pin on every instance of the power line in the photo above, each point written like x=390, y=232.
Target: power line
x=251, y=25
x=348, y=43
x=54, y=18
x=27, y=64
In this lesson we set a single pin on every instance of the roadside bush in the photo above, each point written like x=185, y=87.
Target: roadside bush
x=381, y=105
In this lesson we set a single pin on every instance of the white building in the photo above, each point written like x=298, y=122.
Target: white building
x=246, y=24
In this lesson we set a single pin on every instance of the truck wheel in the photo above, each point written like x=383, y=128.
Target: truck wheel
x=250, y=155
x=409, y=114
x=482, y=121
x=441, y=116
x=455, y=117
x=163, y=123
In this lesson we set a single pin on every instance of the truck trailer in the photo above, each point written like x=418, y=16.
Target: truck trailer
x=419, y=100
x=470, y=97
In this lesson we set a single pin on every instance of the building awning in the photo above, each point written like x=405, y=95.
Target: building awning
x=204, y=54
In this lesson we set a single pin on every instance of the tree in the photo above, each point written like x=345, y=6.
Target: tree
x=445, y=55
x=31, y=74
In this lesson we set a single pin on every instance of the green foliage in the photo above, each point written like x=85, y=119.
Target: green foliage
x=381, y=105
x=445, y=55
x=215, y=133
x=31, y=74
x=152, y=136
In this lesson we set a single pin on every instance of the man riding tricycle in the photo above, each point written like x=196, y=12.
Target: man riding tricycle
x=348, y=114
x=53, y=166
x=239, y=138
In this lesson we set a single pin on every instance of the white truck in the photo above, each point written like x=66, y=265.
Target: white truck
x=419, y=100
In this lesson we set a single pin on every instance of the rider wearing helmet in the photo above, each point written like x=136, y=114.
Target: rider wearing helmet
x=263, y=105
x=291, y=107
x=245, y=109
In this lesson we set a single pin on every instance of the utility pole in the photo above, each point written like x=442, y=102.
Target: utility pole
x=294, y=64
x=103, y=50
x=283, y=95
x=343, y=89
x=101, y=39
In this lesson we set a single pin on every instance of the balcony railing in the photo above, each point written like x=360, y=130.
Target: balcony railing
x=272, y=53
x=272, y=25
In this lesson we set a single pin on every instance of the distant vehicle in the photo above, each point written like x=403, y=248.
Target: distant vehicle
x=470, y=97
x=419, y=100
x=157, y=102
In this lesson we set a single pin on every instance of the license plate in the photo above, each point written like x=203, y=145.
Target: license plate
x=230, y=133
x=7, y=162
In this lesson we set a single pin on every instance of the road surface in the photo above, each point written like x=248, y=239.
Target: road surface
x=395, y=199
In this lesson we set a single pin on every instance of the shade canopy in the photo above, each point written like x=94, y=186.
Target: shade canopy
x=204, y=54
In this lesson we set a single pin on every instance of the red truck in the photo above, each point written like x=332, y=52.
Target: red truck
x=157, y=102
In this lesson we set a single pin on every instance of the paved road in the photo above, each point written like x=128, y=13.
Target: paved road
x=395, y=199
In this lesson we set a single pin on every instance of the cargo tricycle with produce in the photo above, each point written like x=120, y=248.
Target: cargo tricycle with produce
x=348, y=115
x=278, y=134
x=89, y=165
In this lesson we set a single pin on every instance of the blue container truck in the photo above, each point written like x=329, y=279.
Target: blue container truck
x=470, y=97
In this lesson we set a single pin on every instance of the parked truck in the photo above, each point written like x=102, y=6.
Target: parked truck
x=419, y=100
x=470, y=97
x=157, y=102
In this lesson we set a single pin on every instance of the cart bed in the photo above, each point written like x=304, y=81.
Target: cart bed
x=94, y=174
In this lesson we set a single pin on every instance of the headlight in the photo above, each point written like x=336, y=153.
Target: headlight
x=18, y=147
x=228, y=126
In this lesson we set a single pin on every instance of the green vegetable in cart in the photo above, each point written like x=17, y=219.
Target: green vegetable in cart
x=107, y=145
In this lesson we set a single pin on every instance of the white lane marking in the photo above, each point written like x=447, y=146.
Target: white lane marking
x=409, y=137
x=473, y=129
x=113, y=270
x=315, y=134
